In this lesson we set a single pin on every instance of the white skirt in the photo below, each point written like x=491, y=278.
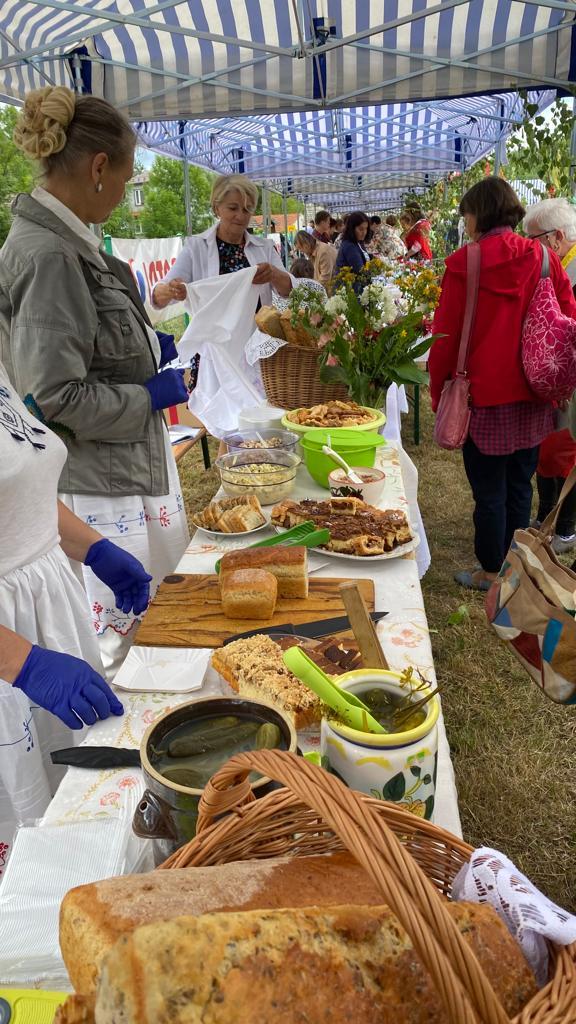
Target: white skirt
x=154, y=530
x=43, y=602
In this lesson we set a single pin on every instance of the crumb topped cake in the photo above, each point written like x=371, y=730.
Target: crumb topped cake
x=355, y=528
x=254, y=667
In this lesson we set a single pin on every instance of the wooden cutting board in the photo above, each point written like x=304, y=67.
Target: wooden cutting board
x=187, y=611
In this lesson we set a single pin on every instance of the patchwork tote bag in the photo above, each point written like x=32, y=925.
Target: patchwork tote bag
x=548, y=342
x=453, y=413
x=532, y=607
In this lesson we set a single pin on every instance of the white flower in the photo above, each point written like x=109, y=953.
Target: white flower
x=336, y=304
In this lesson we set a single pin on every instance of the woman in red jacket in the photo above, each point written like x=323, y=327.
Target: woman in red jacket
x=416, y=232
x=508, y=422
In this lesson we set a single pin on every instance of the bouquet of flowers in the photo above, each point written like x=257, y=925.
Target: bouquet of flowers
x=367, y=337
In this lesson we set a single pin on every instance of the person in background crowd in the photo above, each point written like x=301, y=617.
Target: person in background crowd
x=77, y=344
x=352, y=252
x=303, y=270
x=553, y=222
x=226, y=247
x=416, y=231
x=323, y=257
x=50, y=669
x=311, y=227
x=389, y=245
x=338, y=240
x=285, y=246
x=507, y=423
x=322, y=226
x=337, y=229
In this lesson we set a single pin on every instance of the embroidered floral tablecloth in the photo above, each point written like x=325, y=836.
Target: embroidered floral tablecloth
x=403, y=633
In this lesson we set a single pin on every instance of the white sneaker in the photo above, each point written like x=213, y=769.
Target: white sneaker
x=562, y=544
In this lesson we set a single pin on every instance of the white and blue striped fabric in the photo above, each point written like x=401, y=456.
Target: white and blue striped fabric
x=423, y=140
x=172, y=59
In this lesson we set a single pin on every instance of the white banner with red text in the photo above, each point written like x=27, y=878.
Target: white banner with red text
x=150, y=259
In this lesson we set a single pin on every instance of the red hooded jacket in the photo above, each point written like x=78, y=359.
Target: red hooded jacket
x=509, y=272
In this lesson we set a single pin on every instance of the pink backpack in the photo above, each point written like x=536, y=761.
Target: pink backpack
x=548, y=342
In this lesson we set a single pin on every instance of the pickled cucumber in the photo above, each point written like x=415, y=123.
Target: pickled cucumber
x=185, y=777
x=268, y=737
x=210, y=740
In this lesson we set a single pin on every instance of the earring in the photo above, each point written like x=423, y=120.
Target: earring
x=99, y=187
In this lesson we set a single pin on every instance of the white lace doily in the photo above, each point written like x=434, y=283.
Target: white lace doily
x=261, y=346
x=529, y=915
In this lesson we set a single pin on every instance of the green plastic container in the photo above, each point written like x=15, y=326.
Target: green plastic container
x=357, y=448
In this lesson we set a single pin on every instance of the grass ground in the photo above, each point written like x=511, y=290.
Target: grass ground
x=513, y=750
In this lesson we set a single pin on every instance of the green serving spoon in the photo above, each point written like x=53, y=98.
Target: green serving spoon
x=350, y=708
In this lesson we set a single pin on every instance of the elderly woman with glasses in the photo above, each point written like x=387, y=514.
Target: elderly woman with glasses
x=553, y=221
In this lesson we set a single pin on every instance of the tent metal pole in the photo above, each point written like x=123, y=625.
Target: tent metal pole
x=185, y=165
x=187, y=197
x=265, y=211
x=285, y=212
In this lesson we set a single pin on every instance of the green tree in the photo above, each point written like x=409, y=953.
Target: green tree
x=164, y=213
x=16, y=171
x=277, y=206
x=541, y=149
x=121, y=223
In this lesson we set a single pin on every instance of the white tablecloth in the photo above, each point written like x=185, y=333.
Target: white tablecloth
x=403, y=633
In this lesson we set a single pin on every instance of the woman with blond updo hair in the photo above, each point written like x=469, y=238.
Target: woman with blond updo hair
x=79, y=348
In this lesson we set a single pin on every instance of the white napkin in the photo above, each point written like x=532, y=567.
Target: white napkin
x=528, y=914
x=163, y=669
x=45, y=863
x=222, y=319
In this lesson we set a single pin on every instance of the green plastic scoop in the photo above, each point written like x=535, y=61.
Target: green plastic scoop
x=350, y=708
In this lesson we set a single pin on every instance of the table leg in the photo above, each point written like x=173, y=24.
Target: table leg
x=416, y=414
x=205, y=451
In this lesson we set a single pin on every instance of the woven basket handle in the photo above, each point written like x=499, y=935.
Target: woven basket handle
x=548, y=527
x=463, y=987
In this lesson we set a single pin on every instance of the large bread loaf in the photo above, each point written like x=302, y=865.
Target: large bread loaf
x=93, y=917
x=347, y=963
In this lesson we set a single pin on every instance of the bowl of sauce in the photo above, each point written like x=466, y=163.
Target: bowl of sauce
x=370, y=490
x=399, y=765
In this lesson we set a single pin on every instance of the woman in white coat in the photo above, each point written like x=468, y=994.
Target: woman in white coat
x=227, y=247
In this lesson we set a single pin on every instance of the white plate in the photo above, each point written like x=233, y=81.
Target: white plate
x=240, y=533
x=163, y=670
x=402, y=549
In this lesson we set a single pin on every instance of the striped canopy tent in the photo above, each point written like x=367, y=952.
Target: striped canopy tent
x=348, y=77
x=364, y=148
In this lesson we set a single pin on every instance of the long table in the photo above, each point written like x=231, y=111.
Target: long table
x=403, y=634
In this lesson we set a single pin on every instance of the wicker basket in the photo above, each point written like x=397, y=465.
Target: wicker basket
x=412, y=861
x=291, y=379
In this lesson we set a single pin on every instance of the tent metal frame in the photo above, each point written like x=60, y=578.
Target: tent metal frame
x=312, y=48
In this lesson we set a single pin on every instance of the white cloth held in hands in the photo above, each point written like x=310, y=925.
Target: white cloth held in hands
x=222, y=319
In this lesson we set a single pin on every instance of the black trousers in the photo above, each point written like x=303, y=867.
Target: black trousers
x=549, y=488
x=502, y=490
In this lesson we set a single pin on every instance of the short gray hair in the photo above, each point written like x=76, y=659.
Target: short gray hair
x=226, y=183
x=551, y=215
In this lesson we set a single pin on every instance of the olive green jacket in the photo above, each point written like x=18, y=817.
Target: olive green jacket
x=73, y=340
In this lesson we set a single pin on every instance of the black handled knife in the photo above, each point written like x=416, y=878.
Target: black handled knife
x=311, y=630
x=97, y=757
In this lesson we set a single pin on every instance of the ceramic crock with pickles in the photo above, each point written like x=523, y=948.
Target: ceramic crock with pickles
x=395, y=766
x=185, y=747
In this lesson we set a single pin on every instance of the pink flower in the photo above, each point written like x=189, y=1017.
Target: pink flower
x=406, y=638
x=128, y=782
x=323, y=340
x=315, y=319
x=110, y=798
x=332, y=361
x=150, y=716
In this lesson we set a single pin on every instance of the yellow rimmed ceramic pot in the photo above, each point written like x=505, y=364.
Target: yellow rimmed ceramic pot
x=399, y=767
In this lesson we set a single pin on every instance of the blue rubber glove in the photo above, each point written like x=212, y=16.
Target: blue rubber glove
x=168, y=350
x=166, y=389
x=66, y=686
x=123, y=573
